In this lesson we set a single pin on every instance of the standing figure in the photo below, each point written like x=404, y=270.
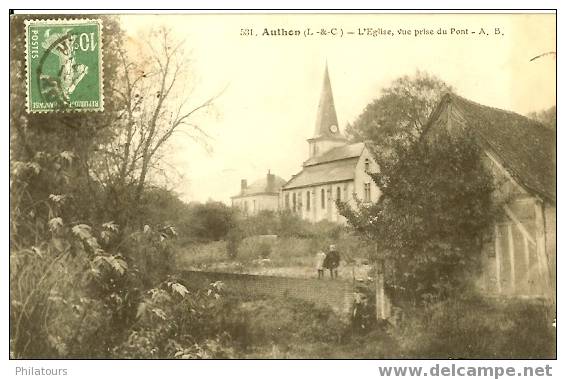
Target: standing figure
x=332, y=261
x=319, y=263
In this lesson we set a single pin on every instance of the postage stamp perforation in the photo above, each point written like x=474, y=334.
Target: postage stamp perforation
x=65, y=21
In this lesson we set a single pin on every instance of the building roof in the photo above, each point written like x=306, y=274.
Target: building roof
x=525, y=147
x=261, y=186
x=329, y=172
x=338, y=153
x=326, y=114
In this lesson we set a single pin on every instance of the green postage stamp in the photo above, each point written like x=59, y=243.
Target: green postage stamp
x=64, y=65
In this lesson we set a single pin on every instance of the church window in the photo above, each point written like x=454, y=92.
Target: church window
x=366, y=165
x=338, y=193
x=322, y=198
x=286, y=201
x=308, y=200
x=255, y=207
x=300, y=201
x=367, y=192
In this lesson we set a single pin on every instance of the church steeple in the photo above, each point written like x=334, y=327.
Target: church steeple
x=326, y=121
x=327, y=133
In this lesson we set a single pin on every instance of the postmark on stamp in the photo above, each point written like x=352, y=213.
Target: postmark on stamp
x=64, y=65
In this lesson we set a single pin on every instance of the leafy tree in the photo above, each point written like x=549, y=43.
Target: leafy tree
x=396, y=118
x=427, y=225
x=210, y=221
x=81, y=253
x=59, y=230
x=546, y=117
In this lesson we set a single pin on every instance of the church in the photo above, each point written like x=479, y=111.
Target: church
x=335, y=169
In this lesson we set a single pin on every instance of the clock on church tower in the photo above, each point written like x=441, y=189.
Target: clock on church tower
x=334, y=129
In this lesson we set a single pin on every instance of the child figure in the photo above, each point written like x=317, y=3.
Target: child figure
x=319, y=263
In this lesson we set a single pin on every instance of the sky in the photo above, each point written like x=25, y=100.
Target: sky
x=270, y=85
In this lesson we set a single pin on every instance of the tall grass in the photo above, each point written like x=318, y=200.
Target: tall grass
x=476, y=327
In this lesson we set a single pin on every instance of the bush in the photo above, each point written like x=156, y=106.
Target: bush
x=172, y=322
x=211, y=221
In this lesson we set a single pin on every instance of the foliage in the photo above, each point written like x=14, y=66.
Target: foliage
x=435, y=205
x=211, y=221
x=288, y=224
x=265, y=222
x=86, y=238
x=547, y=117
x=396, y=118
x=175, y=322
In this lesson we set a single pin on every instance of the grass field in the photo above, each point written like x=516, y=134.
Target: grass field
x=459, y=329
x=467, y=327
x=293, y=257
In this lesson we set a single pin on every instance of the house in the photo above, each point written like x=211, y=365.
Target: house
x=519, y=250
x=262, y=194
x=335, y=169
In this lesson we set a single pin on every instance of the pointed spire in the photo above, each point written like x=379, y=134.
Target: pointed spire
x=326, y=120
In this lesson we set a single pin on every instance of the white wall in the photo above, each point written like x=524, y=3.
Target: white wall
x=319, y=147
x=347, y=190
x=262, y=202
x=361, y=177
x=316, y=212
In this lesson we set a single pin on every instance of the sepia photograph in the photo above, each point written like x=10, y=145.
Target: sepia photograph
x=282, y=185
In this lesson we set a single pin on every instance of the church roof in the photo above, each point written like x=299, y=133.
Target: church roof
x=261, y=186
x=326, y=114
x=525, y=147
x=341, y=152
x=328, y=172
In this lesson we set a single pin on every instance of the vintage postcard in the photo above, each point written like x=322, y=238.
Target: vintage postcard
x=283, y=186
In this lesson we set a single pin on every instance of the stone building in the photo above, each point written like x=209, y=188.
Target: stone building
x=262, y=194
x=335, y=169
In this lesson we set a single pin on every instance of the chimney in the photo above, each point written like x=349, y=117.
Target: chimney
x=244, y=184
x=270, y=181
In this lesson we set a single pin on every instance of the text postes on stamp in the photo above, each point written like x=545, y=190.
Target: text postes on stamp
x=64, y=65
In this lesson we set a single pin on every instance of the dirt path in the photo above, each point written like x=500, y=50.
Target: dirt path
x=348, y=272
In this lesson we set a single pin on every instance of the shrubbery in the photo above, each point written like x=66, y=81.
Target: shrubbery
x=428, y=224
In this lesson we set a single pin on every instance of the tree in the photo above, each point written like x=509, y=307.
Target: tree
x=396, y=118
x=154, y=104
x=56, y=214
x=211, y=221
x=59, y=146
x=546, y=117
x=77, y=181
x=428, y=223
